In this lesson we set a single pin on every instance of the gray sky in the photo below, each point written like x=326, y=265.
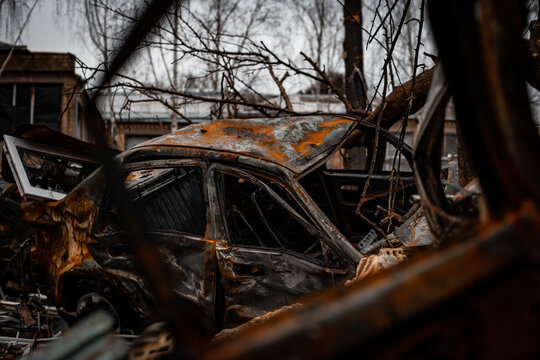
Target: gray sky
x=45, y=33
x=49, y=31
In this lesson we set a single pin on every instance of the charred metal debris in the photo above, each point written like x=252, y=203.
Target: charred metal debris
x=237, y=222
x=249, y=216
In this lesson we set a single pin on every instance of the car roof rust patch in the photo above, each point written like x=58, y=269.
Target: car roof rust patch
x=293, y=142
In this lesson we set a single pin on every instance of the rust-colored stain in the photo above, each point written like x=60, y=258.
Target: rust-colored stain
x=133, y=176
x=61, y=238
x=291, y=142
x=69, y=250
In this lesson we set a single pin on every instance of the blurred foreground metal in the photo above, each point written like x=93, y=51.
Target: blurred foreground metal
x=478, y=295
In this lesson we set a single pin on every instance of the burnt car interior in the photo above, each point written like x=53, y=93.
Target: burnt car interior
x=45, y=171
x=258, y=216
x=171, y=199
x=336, y=191
x=172, y=202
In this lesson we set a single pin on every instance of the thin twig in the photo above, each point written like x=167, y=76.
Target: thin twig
x=279, y=84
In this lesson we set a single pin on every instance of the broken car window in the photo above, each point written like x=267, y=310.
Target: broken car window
x=354, y=158
x=345, y=181
x=254, y=218
x=171, y=199
x=360, y=157
x=53, y=173
x=43, y=171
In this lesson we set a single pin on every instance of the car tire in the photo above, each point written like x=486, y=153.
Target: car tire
x=89, y=295
x=94, y=301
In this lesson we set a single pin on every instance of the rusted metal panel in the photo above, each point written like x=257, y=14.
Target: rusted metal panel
x=293, y=142
x=477, y=295
x=256, y=282
x=350, y=319
x=485, y=70
x=414, y=232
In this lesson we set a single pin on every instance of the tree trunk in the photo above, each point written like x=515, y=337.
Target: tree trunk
x=466, y=173
x=353, y=54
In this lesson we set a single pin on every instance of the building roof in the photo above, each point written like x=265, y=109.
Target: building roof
x=23, y=60
x=294, y=142
x=6, y=47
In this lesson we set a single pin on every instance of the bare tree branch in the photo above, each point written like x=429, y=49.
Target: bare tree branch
x=279, y=83
x=393, y=111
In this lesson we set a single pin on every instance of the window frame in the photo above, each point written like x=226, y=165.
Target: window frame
x=126, y=168
x=12, y=144
x=387, y=137
x=253, y=177
x=32, y=88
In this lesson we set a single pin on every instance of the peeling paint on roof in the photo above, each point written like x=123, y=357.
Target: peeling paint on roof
x=294, y=142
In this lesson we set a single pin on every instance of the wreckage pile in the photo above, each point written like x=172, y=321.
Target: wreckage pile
x=237, y=230
x=259, y=213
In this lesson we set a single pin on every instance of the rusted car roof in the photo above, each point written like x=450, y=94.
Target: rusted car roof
x=295, y=142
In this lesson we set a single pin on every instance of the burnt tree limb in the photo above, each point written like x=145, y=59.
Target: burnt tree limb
x=395, y=105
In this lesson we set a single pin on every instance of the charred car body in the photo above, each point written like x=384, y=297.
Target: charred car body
x=245, y=213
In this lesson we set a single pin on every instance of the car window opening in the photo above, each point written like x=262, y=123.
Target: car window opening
x=337, y=186
x=255, y=218
x=53, y=173
x=170, y=200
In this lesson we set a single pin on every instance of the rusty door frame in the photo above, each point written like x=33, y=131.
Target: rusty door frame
x=224, y=248
x=330, y=234
x=161, y=164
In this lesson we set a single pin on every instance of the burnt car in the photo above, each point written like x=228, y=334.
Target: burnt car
x=248, y=215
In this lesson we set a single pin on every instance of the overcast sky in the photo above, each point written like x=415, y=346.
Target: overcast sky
x=45, y=33
x=49, y=31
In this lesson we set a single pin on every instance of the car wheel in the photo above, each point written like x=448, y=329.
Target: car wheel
x=93, y=301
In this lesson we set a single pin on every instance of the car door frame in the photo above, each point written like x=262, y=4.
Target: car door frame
x=224, y=248
x=206, y=296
